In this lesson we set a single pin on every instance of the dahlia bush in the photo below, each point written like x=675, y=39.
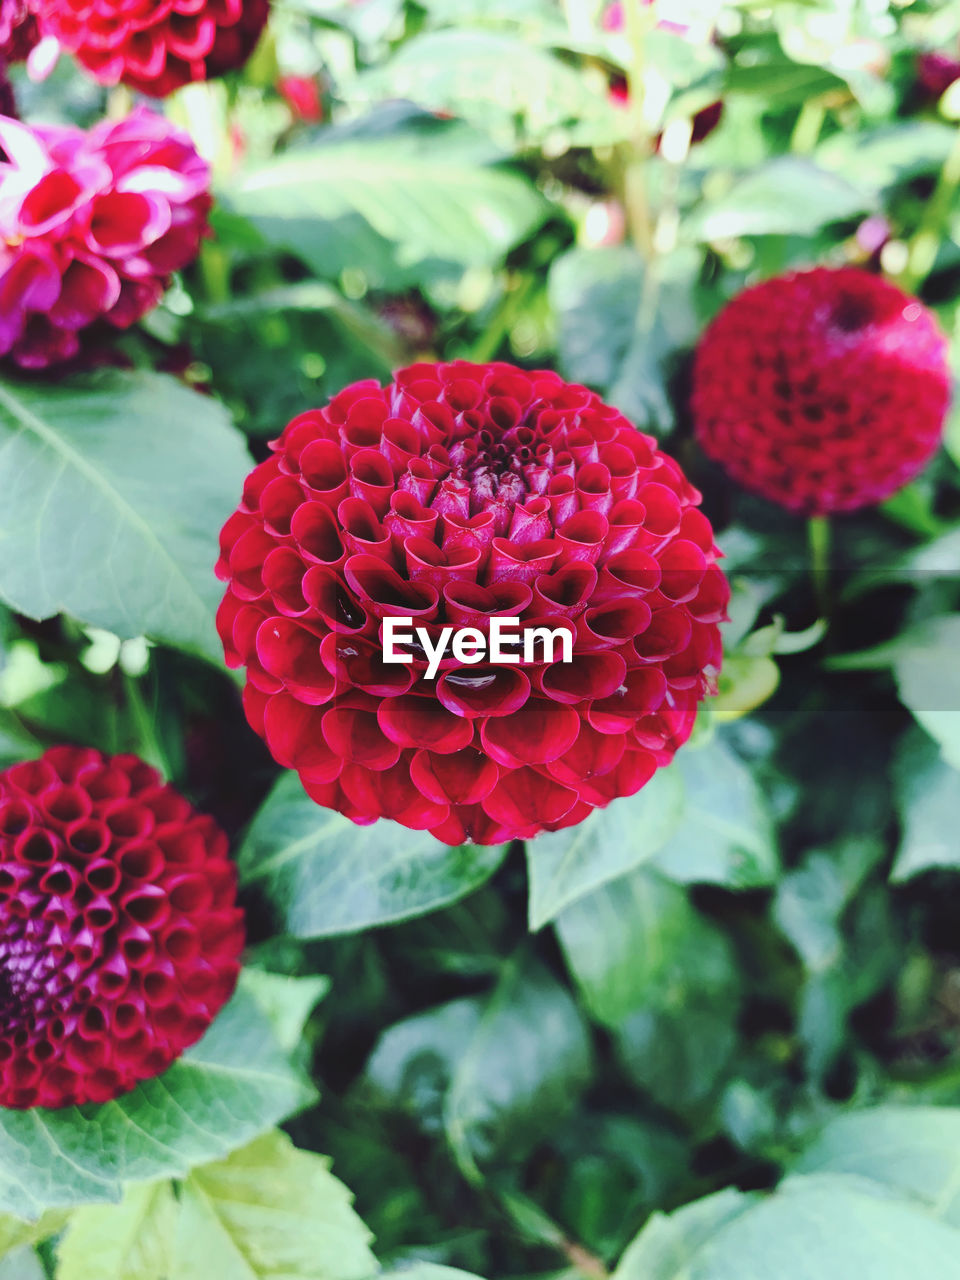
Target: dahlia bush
x=339, y=938
x=93, y=224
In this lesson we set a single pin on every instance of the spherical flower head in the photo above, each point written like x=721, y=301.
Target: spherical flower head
x=91, y=227
x=18, y=30
x=823, y=390
x=155, y=46
x=458, y=494
x=119, y=931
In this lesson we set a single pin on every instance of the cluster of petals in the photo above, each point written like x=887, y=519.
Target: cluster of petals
x=154, y=46
x=91, y=226
x=823, y=390
x=456, y=494
x=119, y=931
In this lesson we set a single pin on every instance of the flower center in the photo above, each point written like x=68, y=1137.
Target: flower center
x=29, y=970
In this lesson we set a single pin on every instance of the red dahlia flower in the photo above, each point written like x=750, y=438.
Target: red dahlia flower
x=18, y=30
x=823, y=390
x=155, y=46
x=91, y=226
x=454, y=495
x=119, y=931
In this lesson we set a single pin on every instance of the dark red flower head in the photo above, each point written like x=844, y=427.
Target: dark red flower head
x=823, y=390
x=91, y=227
x=119, y=931
x=457, y=494
x=155, y=46
x=18, y=30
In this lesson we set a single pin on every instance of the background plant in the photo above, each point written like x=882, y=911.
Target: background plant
x=605, y=1050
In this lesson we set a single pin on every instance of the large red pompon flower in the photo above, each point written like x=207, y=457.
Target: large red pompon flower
x=155, y=46
x=119, y=932
x=91, y=227
x=823, y=390
x=457, y=494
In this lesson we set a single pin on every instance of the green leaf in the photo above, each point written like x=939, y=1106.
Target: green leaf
x=132, y=1240
x=607, y=339
x=928, y=677
x=659, y=975
x=879, y=158
x=524, y=1066
x=500, y=83
x=564, y=865
x=726, y=833
x=787, y=196
x=928, y=800
x=416, y=196
x=14, y=1233
x=287, y=1002
x=234, y=1084
x=781, y=84
x=494, y=1074
x=269, y=1212
x=913, y=1151
x=811, y=1228
x=115, y=490
x=325, y=876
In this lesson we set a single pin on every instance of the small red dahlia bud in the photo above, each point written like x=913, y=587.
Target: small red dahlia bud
x=302, y=95
x=119, y=932
x=823, y=390
x=155, y=46
x=18, y=31
x=458, y=494
x=936, y=72
x=91, y=226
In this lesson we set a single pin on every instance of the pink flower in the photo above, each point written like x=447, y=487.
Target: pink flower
x=91, y=226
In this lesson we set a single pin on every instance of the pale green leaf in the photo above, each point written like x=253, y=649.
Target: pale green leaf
x=325, y=875
x=115, y=488
x=269, y=1212
x=132, y=1240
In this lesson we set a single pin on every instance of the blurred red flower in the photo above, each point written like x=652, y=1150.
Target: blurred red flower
x=158, y=46
x=454, y=495
x=823, y=390
x=119, y=933
x=91, y=226
x=18, y=30
x=302, y=96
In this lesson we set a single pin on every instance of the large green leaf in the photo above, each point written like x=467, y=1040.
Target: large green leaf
x=115, y=487
x=928, y=677
x=618, y=332
x=269, y=1212
x=928, y=799
x=787, y=196
x=811, y=1228
x=132, y=1240
x=726, y=834
x=498, y=82
x=524, y=1066
x=381, y=202
x=564, y=865
x=913, y=1151
x=233, y=1085
x=493, y=1073
x=324, y=875
x=661, y=976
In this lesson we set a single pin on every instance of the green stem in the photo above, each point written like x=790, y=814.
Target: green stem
x=818, y=529
x=636, y=198
x=925, y=242
x=806, y=132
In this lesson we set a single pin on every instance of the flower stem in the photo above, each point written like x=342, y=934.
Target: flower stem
x=818, y=530
x=925, y=242
x=636, y=197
